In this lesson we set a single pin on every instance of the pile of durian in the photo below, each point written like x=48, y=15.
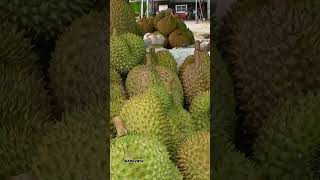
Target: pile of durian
x=173, y=29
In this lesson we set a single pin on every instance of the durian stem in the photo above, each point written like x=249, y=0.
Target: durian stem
x=197, y=45
x=197, y=57
x=149, y=58
x=25, y=176
x=120, y=127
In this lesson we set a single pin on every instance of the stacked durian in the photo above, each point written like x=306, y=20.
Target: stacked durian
x=175, y=31
x=149, y=114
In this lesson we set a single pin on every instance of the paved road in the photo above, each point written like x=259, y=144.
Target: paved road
x=201, y=27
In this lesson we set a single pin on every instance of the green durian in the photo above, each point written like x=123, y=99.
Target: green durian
x=15, y=49
x=44, y=18
x=190, y=36
x=181, y=125
x=115, y=77
x=117, y=100
x=179, y=38
x=145, y=114
x=200, y=111
x=78, y=69
x=126, y=51
x=142, y=77
x=194, y=156
x=166, y=25
x=165, y=58
x=288, y=142
x=282, y=60
x=156, y=163
x=204, y=58
x=180, y=24
x=195, y=78
x=122, y=18
x=25, y=116
x=74, y=148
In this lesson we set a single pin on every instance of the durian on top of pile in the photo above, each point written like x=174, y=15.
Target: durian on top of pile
x=175, y=31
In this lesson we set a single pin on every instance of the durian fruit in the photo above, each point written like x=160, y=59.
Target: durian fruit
x=157, y=18
x=126, y=51
x=25, y=116
x=151, y=75
x=194, y=156
x=15, y=49
x=74, y=148
x=44, y=18
x=190, y=36
x=166, y=25
x=78, y=69
x=165, y=58
x=180, y=24
x=117, y=100
x=122, y=18
x=231, y=164
x=224, y=102
x=181, y=125
x=146, y=24
x=179, y=38
x=195, y=78
x=200, y=110
x=204, y=58
x=282, y=59
x=150, y=156
x=145, y=114
x=288, y=142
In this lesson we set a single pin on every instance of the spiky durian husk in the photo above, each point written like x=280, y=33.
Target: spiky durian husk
x=165, y=58
x=126, y=52
x=195, y=79
x=146, y=24
x=145, y=114
x=181, y=125
x=156, y=163
x=230, y=164
x=45, y=18
x=152, y=75
x=157, y=18
x=283, y=59
x=179, y=38
x=117, y=99
x=74, y=148
x=122, y=18
x=194, y=156
x=288, y=144
x=200, y=111
x=78, y=69
x=224, y=102
x=204, y=58
x=166, y=25
x=25, y=112
x=15, y=49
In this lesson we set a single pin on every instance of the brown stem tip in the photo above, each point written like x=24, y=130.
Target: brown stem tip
x=120, y=127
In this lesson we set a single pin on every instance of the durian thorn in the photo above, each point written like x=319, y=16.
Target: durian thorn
x=120, y=127
x=149, y=58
